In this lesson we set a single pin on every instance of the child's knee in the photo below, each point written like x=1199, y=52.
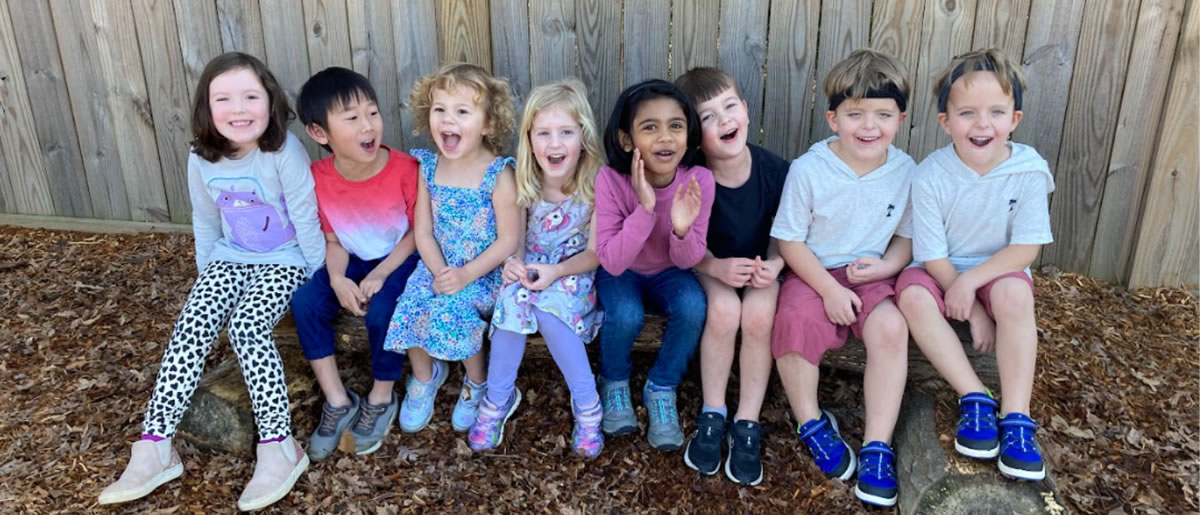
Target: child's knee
x=1011, y=299
x=625, y=316
x=724, y=313
x=758, y=322
x=915, y=299
x=886, y=331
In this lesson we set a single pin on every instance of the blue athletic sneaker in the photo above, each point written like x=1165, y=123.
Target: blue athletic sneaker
x=876, y=475
x=467, y=407
x=977, y=436
x=1020, y=454
x=831, y=453
x=417, y=408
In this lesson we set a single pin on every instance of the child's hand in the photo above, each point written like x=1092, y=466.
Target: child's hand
x=983, y=329
x=513, y=271
x=348, y=295
x=539, y=277
x=645, y=192
x=865, y=270
x=685, y=207
x=735, y=272
x=959, y=299
x=841, y=305
x=765, y=272
x=371, y=285
x=450, y=280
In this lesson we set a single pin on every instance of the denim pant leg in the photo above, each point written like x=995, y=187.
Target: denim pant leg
x=681, y=298
x=385, y=365
x=314, y=307
x=621, y=299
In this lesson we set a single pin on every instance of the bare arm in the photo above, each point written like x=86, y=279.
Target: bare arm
x=431, y=253
x=805, y=265
x=1013, y=258
x=508, y=228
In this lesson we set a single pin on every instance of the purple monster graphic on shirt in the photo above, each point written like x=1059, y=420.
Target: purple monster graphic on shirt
x=254, y=224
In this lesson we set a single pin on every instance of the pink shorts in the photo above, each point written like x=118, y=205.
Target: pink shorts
x=919, y=277
x=801, y=325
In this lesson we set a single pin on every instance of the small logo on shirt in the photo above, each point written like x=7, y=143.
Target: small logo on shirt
x=1012, y=204
x=890, y=208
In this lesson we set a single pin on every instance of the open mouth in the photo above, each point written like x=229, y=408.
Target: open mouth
x=980, y=141
x=664, y=155
x=368, y=146
x=556, y=159
x=867, y=140
x=450, y=140
x=729, y=136
x=241, y=124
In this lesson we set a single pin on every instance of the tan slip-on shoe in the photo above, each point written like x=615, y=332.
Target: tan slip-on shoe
x=278, y=467
x=150, y=465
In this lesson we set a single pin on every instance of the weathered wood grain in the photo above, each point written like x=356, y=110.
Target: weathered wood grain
x=892, y=34
x=743, y=54
x=791, y=79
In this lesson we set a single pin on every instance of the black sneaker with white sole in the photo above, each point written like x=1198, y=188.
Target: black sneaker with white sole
x=703, y=451
x=744, y=464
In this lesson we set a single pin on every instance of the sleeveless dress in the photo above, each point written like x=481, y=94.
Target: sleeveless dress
x=450, y=327
x=554, y=233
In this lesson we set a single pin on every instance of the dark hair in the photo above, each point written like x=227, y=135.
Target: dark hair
x=328, y=89
x=626, y=109
x=703, y=83
x=207, y=142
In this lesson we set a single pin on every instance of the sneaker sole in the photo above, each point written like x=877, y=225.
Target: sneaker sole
x=149, y=486
x=729, y=474
x=1025, y=475
x=620, y=431
x=853, y=458
x=667, y=447
x=279, y=493
x=979, y=454
x=886, y=502
x=508, y=415
x=687, y=460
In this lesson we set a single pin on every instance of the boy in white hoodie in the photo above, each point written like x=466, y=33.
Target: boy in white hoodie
x=979, y=217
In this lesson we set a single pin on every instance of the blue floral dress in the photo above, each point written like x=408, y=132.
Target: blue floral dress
x=450, y=327
x=554, y=233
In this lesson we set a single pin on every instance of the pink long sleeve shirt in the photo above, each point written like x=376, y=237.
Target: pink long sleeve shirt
x=628, y=237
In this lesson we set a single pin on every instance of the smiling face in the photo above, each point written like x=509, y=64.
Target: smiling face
x=865, y=128
x=354, y=130
x=240, y=105
x=723, y=122
x=659, y=131
x=979, y=118
x=556, y=139
x=457, y=122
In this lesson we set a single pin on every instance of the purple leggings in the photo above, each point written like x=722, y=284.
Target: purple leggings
x=565, y=346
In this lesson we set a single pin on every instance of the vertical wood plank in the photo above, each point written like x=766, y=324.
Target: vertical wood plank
x=792, y=31
x=168, y=92
x=1137, y=124
x=743, y=54
x=87, y=89
x=6, y=192
x=287, y=55
x=510, y=44
x=599, y=36
x=1167, y=242
x=30, y=185
x=327, y=33
x=551, y=36
x=242, y=27
x=646, y=29
x=372, y=43
x=948, y=26
x=1049, y=65
x=1001, y=24
x=464, y=32
x=1095, y=99
x=44, y=81
x=695, y=27
x=416, y=53
x=845, y=27
x=199, y=38
x=892, y=34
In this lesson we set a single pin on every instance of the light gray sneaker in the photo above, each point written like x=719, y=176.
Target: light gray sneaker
x=373, y=424
x=334, y=422
x=619, y=417
x=664, y=433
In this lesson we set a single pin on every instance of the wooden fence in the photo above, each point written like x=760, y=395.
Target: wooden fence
x=94, y=94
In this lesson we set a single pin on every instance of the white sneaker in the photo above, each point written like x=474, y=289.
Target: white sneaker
x=150, y=464
x=278, y=467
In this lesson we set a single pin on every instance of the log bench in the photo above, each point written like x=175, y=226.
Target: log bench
x=932, y=481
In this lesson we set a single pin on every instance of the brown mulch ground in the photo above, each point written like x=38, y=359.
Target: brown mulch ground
x=85, y=319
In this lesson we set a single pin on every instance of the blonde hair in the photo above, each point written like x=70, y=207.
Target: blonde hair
x=866, y=71
x=571, y=96
x=1007, y=70
x=491, y=94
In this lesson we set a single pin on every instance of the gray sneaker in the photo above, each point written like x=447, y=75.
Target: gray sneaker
x=334, y=422
x=664, y=433
x=373, y=424
x=619, y=417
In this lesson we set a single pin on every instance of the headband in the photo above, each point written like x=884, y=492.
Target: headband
x=958, y=72
x=888, y=91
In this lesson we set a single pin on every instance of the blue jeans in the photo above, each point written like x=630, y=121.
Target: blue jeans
x=315, y=305
x=675, y=293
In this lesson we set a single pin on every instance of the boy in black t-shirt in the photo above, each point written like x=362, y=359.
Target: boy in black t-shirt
x=738, y=275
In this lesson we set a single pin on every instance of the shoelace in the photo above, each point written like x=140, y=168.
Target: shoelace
x=877, y=461
x=977, y=412
x=663, y=408
x=368, y=414
x=820, y=438
x=1018, y=432
x=616, y=399
x=329, y=419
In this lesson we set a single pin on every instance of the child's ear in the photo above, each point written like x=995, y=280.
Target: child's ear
x=1017, y=115
x=944, y=121
x=317, y=133
x=626, y=141
x=831, y=119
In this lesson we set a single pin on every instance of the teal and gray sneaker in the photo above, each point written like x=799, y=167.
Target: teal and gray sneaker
x=664, y=433
x=619, y=417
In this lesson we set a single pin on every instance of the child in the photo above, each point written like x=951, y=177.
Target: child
x=257, y=239
x=844, y=231
x=738, y=274
x=549, y=281
x=980, y=215
x=468, y=221
x=652, y=208
x=365, y=198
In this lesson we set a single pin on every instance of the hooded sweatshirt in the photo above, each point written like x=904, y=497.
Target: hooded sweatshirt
x=839, y=215
x=967, y=217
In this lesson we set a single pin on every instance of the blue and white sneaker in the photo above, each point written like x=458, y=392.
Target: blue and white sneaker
x=467, y=407
x=417, y=408
x=1020, y=454
x=977, y=436
x=831, y=453
x=877, y=475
